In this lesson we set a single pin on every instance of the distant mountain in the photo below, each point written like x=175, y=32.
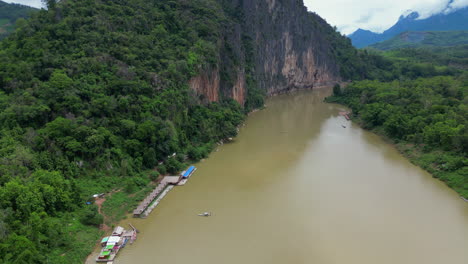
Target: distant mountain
x=416, y=39
x=9, y=13
x=457, y=20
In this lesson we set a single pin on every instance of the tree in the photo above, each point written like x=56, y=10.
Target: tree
x=337, y=90
x=50, y=4
x=91, y=216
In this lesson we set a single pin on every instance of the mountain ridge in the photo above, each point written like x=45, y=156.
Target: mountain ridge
x=416, y=39
x=456, y=20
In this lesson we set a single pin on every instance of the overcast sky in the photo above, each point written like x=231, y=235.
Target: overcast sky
x=375, y=15
x=349, y=15
x=34, y=3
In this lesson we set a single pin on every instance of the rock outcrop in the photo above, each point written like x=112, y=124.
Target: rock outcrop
x=278, y=44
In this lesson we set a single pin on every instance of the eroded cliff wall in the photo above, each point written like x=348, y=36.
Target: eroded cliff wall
x=274, y=45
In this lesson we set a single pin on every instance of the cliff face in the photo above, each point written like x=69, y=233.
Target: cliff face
x=277, y=44
x=207, y=85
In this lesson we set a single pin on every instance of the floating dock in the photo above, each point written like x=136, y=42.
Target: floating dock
x=143, y=206
x=167, y=183
x=149, y=199
x=157, y=201
x=120, y=237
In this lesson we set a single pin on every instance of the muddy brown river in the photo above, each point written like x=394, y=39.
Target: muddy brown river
x=296, y=187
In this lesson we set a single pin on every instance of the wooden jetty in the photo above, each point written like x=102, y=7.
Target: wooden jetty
x=157, y=201
x=120, y=237
x=166, y=181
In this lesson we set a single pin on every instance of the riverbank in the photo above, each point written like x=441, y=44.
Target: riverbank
x=431, y=161
x=117, y=206
x=427, y=123
x=289, y=169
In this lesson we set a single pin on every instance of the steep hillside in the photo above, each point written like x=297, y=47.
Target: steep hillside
x=416, y=39
x=9, y=13
x=94, y=95
x=267, y=51
x=456, y=20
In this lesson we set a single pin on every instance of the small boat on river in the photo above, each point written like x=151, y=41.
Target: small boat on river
x=205, y=214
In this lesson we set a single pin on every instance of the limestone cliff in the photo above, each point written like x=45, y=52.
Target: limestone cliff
x=207, y=85
x=279, y=45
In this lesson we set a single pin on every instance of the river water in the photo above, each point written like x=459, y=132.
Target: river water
x=296, y=187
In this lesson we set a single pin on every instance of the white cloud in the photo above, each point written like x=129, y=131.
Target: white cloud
x=375, y=15
x=33, y=3
x=456, y=4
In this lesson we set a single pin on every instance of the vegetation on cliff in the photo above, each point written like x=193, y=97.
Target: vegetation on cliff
x=93, y=94
x=424, y=109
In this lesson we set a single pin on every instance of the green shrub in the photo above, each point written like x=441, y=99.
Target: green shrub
x=162, y=169
x=91, y=216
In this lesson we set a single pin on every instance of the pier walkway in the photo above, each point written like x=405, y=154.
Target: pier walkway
x=150, y=198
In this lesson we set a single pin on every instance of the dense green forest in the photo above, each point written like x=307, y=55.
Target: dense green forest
x=9, y=13
x=94, y=98
x=453, y=60
x=421, y=104
x=94, y=95
x=424, y=39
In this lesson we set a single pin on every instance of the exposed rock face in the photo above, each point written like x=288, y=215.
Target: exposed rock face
x=289, y=51
x=207, y=85
x=239, y=89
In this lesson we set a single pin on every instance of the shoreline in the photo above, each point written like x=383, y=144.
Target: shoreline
x=129, y=215
x=402, y=149
x=354, y=120
x=320, y=86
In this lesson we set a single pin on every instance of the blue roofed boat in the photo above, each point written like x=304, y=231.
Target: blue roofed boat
x=188, y=172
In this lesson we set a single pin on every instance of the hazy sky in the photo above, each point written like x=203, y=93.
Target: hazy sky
x=34, y=3
x=349, y=15
x=375, y=15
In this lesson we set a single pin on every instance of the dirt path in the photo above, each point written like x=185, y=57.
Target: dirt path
x=99, y=201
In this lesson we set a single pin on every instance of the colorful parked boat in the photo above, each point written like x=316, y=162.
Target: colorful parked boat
x=112, y=244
